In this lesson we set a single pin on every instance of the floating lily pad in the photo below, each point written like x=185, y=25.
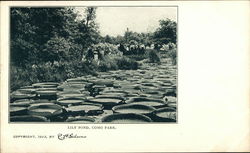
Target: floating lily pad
x=111, y=96
x=70, y=101
x=166, y=114
x=18, y=110
x=46, y=92
x=104, y=82
x=172, y=104
x=28, y=118
x=68, y=92
x=81, y=120
x=45, y=85
x=170, y=99
x=45, y=109
x=27, y=90
x=133, y=108
x=21, y=102
x=155, y=104
x=18, y=95
x=37, y=101
x=72, y=95
x=106, y=101
x=90, y=109
x=126, y=118
x=138, y=99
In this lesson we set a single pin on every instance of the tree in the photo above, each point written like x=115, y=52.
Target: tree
x=109, y=39
x=32, y=28
x=119, y=39
x=90, y=15
x=39, y=32
x=22, y=33
x=166, y=32
x=88, y=33
x=129, y=35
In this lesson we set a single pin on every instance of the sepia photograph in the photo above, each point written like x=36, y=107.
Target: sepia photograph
x=93, y=64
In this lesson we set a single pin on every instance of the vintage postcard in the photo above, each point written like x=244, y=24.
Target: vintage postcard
x=125, y=76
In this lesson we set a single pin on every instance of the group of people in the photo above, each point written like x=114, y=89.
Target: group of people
x=132, y=49
x=95, y=53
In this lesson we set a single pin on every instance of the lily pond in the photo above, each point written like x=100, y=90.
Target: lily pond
x=145, y=95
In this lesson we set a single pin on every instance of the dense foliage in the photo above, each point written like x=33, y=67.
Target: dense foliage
x=49, y=44
x=50, y=34
x=166, y=33
x=41, y=37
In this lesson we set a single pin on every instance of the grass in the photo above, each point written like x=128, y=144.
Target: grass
x=172, y=54
x=60, y=71
x=118, y=62
x=137, y=57
x=125, y=63
x=153, y=56
x=47, y=72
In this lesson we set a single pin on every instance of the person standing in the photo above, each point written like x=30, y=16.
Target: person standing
x=90, y=55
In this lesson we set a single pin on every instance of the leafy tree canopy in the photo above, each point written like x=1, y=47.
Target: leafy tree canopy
x=166, y=32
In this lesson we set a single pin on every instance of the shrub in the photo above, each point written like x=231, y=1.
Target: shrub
x=112, y=62
x=138, y=57
x=107, y=48
x=108, y=63
x=126, y=63
x=153, y=56
x=20, y=77
x=172, y=54
x=61, y=49
x=44, y=72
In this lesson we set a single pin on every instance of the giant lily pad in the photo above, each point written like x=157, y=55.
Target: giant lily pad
x=133, y=108
x=45, y=109
x=28, y=118
x=70, y=101
x=126, y=118
x=81, y=119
